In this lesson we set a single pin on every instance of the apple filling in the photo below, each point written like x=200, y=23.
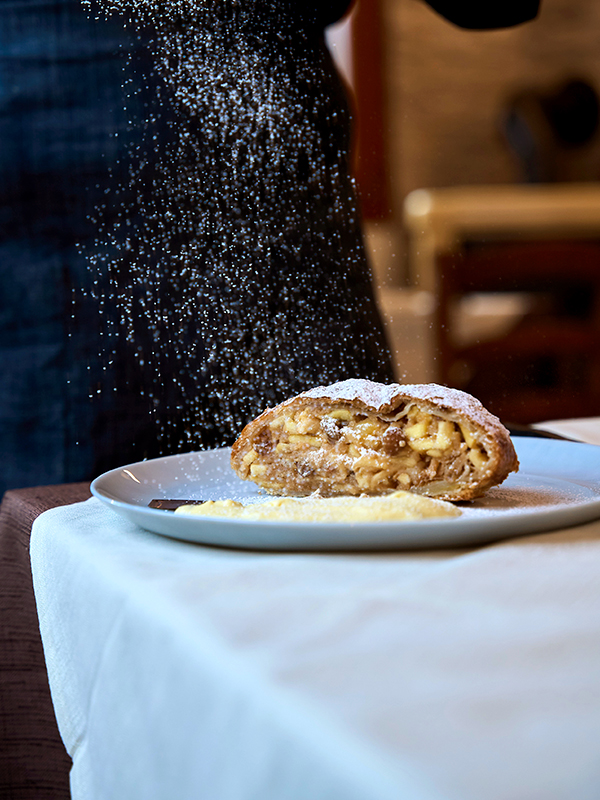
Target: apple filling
x=335, y=449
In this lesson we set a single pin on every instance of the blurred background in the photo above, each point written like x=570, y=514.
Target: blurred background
x=477, y=160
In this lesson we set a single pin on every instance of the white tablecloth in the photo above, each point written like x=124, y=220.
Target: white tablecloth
x=181, y=671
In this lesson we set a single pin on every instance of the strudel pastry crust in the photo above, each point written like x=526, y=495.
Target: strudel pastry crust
x=358, y=437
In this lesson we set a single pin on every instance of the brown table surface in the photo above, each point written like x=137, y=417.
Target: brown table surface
x=34, y=764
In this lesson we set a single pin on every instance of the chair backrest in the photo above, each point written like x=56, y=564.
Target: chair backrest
x=542, y=245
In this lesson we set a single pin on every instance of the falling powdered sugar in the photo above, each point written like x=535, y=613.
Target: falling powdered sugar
x=231, y=272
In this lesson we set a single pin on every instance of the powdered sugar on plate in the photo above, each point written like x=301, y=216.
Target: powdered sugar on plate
x=526, y=494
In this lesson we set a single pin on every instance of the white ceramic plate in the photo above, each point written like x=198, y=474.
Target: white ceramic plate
x=557, y=486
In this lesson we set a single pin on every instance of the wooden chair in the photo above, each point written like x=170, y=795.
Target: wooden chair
x=548, y=365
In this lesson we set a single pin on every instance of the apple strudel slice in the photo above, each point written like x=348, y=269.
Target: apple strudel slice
x=359, y=437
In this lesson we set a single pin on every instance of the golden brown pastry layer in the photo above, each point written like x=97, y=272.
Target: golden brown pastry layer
x=359, y=437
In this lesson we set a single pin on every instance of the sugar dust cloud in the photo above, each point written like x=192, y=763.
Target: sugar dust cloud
x=231, y=270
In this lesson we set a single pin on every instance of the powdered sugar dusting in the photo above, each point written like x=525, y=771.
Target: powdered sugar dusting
x=528, y=494
x=376, y=396
x=382, y=398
